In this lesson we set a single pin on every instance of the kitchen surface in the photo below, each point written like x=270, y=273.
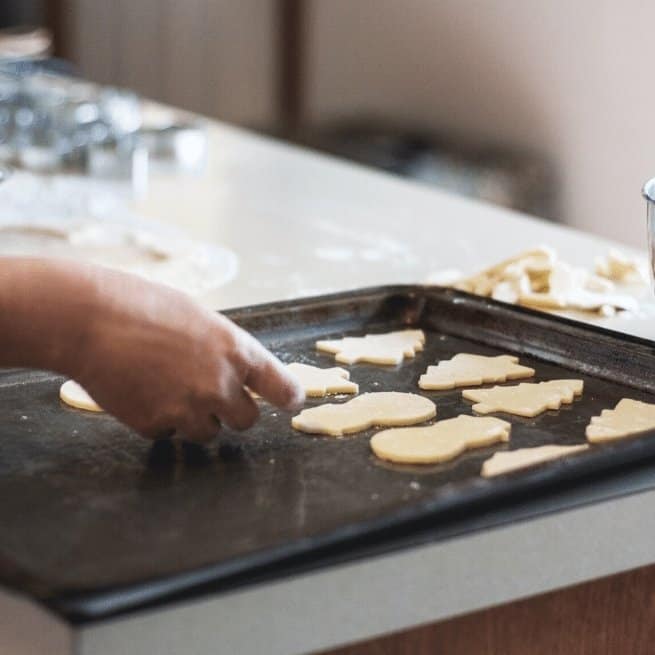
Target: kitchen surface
x=281, y=538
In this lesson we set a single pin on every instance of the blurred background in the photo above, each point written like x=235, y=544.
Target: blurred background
x=540, y=106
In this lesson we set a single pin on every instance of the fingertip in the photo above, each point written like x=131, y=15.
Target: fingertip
x=241, y=422
x=296, y=398
x=240, y=412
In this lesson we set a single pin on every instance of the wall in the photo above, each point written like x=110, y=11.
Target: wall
x=211, y=56
x=566, y=77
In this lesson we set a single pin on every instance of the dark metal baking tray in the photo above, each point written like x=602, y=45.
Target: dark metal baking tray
x=94, y=521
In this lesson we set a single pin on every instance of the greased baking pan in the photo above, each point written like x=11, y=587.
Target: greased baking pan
x=95, y=521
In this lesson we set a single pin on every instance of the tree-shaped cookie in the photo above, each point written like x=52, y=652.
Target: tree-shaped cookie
x=440, y=442
x=319, y=382
x=627, y=418
x=365, y=411
x=526, y=399
x=388, y=349
x=468, y=370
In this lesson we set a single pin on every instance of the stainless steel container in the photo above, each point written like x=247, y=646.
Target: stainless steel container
x=649, y=193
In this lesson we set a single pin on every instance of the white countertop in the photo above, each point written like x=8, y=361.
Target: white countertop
x=303, y=224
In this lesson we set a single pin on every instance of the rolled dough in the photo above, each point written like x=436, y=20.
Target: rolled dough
x=575, y=288
x=76, y=396
x=440, y=442
x=464, y=370
x=365, y=411
x=389, y=349
x=526, y=399
x=627, y=418
x=539, y=280
x=319, y=382
x=512, y=460
x=531, y=264
x=619, y=267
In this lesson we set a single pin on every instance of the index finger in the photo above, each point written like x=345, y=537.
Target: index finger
x=271, y=379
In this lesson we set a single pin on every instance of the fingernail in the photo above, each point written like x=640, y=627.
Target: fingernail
x=297, y=401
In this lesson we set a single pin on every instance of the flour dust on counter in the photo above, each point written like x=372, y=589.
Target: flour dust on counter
x=94, y=220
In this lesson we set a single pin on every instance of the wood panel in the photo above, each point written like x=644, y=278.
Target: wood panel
x=611, y=616
x=215, y=57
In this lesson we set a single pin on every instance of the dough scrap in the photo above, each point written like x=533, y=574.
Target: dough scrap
x=619, y=267
x=627, y=418
x=440, y=442
x=465, y=370
x=532, y=264
x=76, y=396
x=389, y=349
x=537, y=279
x=526, y=399
x=319, y=382
x=513, y=460
x=575, y=288
x=365, y=411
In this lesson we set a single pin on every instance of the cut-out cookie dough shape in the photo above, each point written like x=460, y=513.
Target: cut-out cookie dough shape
x=365, y=411
x=513, y=460
x=440, y=442
x=76, y=396
x=466, y=370
x=526, y=399
x=319, y=382
x=388, y=349
x=627, y=418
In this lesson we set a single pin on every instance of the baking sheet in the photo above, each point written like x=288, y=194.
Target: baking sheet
x=95, y=521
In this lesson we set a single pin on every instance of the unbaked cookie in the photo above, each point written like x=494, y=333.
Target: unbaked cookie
x=526, y=399
x=440, y=442
x=389, y=349
x=319, y=382
x=465, y=370
x=365, y=411
x=513, y=460
x=76, y=396
x=627, y=418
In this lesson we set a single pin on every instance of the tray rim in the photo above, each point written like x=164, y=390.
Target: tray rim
x=86, y=607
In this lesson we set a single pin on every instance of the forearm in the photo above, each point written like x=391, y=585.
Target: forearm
x=46, y=309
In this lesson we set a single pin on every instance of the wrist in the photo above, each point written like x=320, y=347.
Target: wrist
x=47, y=312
